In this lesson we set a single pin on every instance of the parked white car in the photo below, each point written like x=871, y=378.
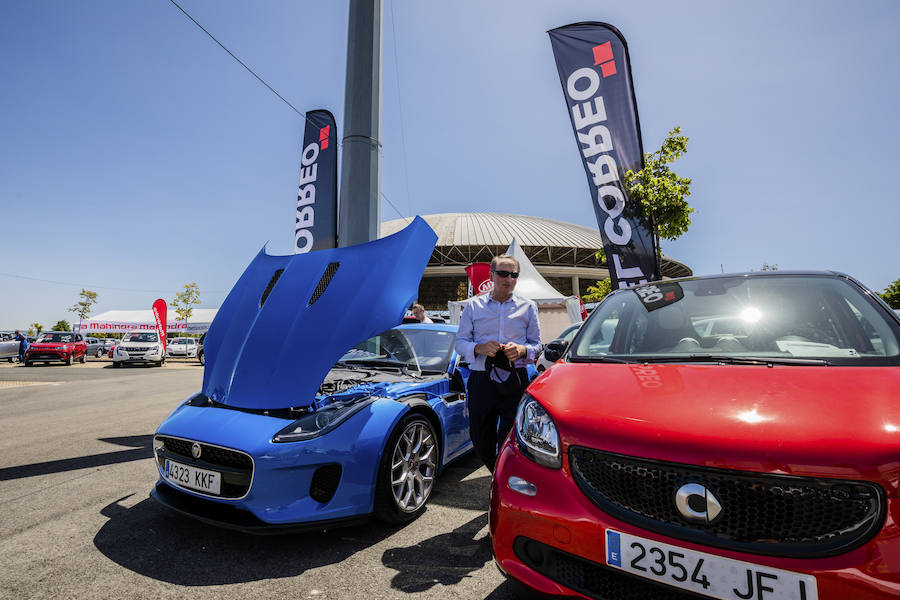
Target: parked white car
x=139, y=347
x=182, y=347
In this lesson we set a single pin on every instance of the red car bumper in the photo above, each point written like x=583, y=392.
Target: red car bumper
x=554, y=542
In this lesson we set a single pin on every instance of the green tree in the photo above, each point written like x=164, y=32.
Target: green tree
x=767, y=267
x=596, y=293
x=661, y=191
x=82, y=308
x=891, y=294
x=185, y=300
x=62, y=326
x=37, y=328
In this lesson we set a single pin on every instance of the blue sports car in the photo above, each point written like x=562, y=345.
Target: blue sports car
x=346, y=416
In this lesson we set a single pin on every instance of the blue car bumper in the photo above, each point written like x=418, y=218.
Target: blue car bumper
x=275, y=486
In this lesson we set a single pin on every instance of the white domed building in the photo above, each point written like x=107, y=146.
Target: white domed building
x=565, y=254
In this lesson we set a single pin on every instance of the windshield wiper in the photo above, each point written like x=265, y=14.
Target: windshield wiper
x=739, y=360
x=605, y=359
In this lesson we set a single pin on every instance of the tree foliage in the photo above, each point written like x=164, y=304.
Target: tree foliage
x=596, y=293
x=661, y=191
x=82, y=308
x=62, y=326
x=767, y=267
x=35, y=329
x=185, y=300
x=891, y=294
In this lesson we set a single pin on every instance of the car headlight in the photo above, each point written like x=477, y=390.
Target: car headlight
x=536, y=434
x=320, y=422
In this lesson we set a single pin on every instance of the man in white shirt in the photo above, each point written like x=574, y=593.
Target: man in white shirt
x=418, y=312
x=497, y=323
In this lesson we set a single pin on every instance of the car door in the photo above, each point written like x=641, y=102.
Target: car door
x=8, y=347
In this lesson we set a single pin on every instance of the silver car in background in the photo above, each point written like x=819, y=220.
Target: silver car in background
x=9, y=348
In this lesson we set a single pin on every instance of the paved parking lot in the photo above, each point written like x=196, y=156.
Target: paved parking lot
x=76, y=521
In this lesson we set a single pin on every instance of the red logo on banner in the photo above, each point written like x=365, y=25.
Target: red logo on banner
x=159, y=314
x=323, y=137
x=480, y=277
x=603, y=56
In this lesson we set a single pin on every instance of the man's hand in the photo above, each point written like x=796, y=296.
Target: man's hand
x=488, y=348
x=513, y=351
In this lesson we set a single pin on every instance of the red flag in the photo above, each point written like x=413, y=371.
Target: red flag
x=480, y=277
x=584, y=314
x=159, y=313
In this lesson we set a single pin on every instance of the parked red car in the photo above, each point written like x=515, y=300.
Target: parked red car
x=733, y=437
x=53, y=346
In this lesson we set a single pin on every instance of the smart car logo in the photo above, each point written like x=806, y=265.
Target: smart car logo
x=697, y=504
x=603, y=56
x=196, y=450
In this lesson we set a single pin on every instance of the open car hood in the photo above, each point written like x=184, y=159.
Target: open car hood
x=273, y=350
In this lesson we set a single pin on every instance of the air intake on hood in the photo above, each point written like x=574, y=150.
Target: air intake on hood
x=269, y=287
x=330, y=270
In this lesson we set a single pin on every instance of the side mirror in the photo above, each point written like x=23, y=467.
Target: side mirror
x=555, y=349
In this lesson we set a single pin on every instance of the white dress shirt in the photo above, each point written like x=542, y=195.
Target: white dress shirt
x=484, y=319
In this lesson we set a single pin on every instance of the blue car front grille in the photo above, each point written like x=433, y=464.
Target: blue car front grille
x=236, y=467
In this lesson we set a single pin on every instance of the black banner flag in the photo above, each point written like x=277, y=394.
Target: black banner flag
x=594, y=69
x=317, y=195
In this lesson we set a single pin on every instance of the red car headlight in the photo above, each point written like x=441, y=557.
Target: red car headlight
x=536, y=434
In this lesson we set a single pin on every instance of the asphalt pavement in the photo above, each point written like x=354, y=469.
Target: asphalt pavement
x=76, y=521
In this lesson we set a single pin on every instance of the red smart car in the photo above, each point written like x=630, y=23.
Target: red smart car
x=733, y=437
x=57, y=346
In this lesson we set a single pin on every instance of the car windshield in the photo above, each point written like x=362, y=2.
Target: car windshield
x=141, y=337
x=825, y=319
x=60, y=338
x=419, y=349
x=176, y=342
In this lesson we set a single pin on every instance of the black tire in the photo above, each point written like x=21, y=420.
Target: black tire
x=28, y=363
x=202, y=358
x=100, y=353
x=69, y=361
x=405, y=500
x=83, y=358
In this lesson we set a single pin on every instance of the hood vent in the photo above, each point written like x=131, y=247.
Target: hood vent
x=330, y=270
x=269, y=287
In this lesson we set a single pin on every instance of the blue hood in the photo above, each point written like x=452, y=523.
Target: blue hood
x=273, y=350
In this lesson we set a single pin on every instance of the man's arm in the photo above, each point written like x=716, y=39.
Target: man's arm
x=465, y=336
x=532, y=334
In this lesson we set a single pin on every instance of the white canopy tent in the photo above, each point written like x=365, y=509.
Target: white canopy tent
x=555, y=311
x=120, y=321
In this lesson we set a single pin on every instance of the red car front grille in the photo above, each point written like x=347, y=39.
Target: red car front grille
x=774, y=515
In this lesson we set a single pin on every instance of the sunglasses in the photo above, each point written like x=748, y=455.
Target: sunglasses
x=512, y=274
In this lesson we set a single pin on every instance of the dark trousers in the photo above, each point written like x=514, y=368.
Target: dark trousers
x=486, y=406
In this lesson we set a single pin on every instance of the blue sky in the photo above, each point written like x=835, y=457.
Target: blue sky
x=137, y=156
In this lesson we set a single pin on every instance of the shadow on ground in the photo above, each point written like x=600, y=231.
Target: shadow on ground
x=141, y=448
x=466, y=483
x=157, y=543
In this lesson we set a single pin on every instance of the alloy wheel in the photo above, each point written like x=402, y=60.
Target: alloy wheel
x=413, y=466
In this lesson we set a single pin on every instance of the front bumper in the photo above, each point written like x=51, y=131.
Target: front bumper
x=230, y=517
x=137, y=357
x=287, y=479
x=554, y=542
x=47, y=356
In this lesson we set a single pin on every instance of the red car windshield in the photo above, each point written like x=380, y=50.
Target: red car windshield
x=56, y=338
x=768, y=316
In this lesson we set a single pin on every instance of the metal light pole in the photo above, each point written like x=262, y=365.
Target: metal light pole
x=360, y=208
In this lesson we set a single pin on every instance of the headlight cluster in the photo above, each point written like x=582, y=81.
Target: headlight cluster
x=536, y=434
x=320, y=422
